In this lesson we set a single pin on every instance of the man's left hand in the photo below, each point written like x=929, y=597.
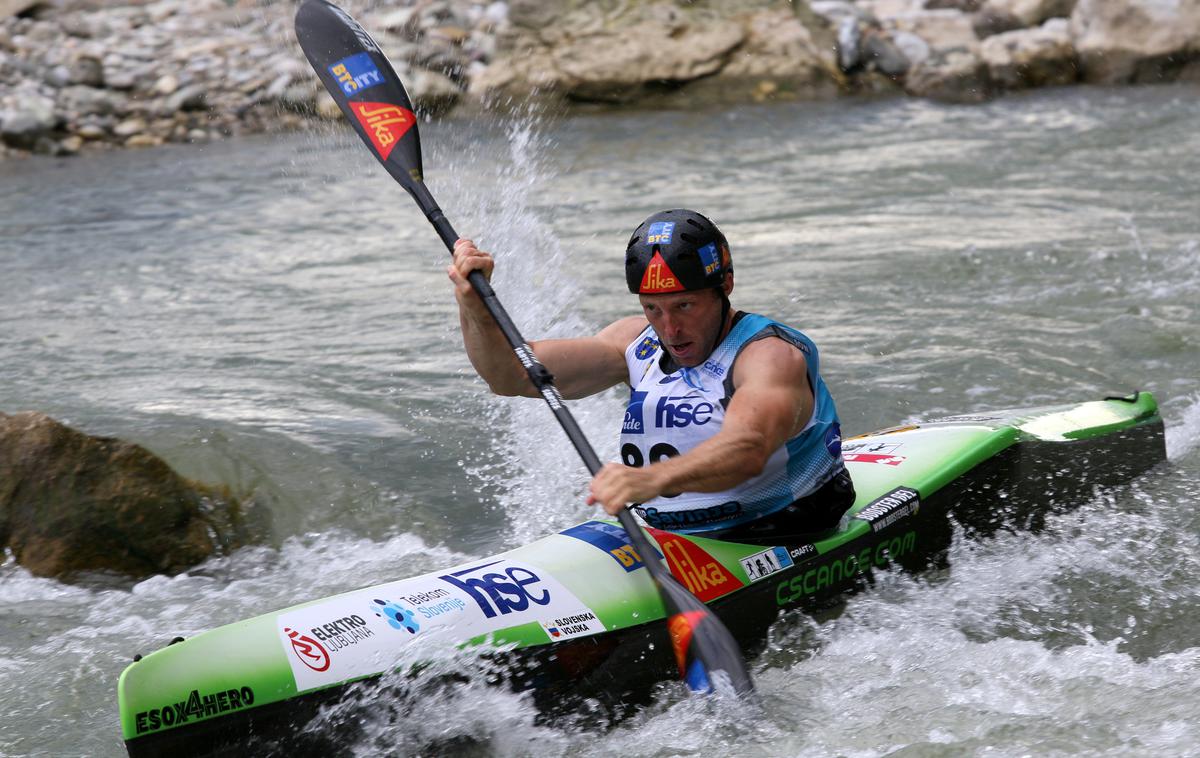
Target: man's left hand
x=616, y=485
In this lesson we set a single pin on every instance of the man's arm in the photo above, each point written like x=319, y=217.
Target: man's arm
x=772, y=403
x=581, y=366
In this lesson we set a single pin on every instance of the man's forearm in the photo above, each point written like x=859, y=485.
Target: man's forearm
x=719, y=463
x=490, y=354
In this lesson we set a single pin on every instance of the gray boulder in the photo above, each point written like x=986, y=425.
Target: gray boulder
x=1122, y=41
x=1039, y=57
x=72, y=505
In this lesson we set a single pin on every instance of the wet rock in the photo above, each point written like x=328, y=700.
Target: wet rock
x=1039, y=57
x=954, y=77
x=1121, y=41
x=25, y=116
x=15, y=7
x=72, y=504
x=1032, y=12
x=885, y=56
x=989, y=22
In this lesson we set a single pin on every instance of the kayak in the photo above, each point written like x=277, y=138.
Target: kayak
x=577, y=613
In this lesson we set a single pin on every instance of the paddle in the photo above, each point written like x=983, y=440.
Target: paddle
x=366, y=88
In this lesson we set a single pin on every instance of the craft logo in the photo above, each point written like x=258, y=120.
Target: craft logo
x=646, y=348
x=577, y=624
x=310, y=652
x=672, y=414
x=767, y=562
x=659, y=277
x=700, y=572
x=887, y=510
x=660, y=233
x=710, y=258
x=396, y=615
x=384, y=123
x=632, y=424
x=197, y=706
x=609, y=538
x=502, y=590
x=356, y=73
x=802, y=553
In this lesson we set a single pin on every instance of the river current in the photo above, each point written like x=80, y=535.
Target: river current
x=273, y=313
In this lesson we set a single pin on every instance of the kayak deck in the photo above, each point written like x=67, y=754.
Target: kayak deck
x=577, y=612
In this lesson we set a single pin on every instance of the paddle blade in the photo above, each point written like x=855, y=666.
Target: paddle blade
x=364, y=85
x=703, y=645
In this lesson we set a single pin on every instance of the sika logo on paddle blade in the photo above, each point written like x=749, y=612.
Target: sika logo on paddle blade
x=659, y=278
x=384, y=123
x=309, y=651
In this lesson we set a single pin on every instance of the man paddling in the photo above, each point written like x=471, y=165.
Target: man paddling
x=729, y=433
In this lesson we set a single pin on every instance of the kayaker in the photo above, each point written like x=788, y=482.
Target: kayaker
x=729, y=431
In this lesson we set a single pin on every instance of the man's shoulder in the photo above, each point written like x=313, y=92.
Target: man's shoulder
x=623, y=331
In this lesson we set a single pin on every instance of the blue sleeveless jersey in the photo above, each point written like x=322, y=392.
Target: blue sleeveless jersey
x=669, y=414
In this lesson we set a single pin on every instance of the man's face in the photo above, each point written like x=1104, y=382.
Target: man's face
x=686, y=323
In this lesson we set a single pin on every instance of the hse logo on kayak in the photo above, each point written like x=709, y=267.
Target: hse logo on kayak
x=310, y=652
x=659, y=278
x=578, y=624
x=356, y=73
x=633, y=423
x=646, y=348
x=901, y=502
x=840, y=571
x=700, y=572
x=384, y=124
x=767, y=562
x=501, y=590
x=611, y=539
x=196, y=707
x=679, y=411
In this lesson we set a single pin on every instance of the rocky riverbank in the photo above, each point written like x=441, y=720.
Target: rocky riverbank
x=81, y=74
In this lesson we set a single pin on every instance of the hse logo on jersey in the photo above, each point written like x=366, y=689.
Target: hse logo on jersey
x=659, y=277
x=700, y=572
x=356, y=73
x=503, y=589
x=680, y=411
x=660, y=233
x=384, y=124
x=646, y=348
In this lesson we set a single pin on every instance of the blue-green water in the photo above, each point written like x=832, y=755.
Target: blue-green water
x=274, y=314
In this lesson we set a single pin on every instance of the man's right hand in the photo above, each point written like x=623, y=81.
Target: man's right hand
x=468, y=258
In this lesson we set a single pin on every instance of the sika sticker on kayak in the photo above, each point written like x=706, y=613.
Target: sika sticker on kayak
x=611, y=539
x=702, y=574
x=365, y=632
x=765, y=563
x=881, y=513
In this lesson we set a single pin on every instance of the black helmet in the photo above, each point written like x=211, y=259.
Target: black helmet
x=675, y=251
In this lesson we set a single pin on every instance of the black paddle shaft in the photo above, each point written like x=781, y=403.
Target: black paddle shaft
x=371, y=96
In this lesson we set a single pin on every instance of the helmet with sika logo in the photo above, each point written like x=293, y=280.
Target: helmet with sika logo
x=676, y=251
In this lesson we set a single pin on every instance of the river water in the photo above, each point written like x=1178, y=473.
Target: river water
x=273, y=314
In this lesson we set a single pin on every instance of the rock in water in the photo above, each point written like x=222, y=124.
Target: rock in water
x=72, y=504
